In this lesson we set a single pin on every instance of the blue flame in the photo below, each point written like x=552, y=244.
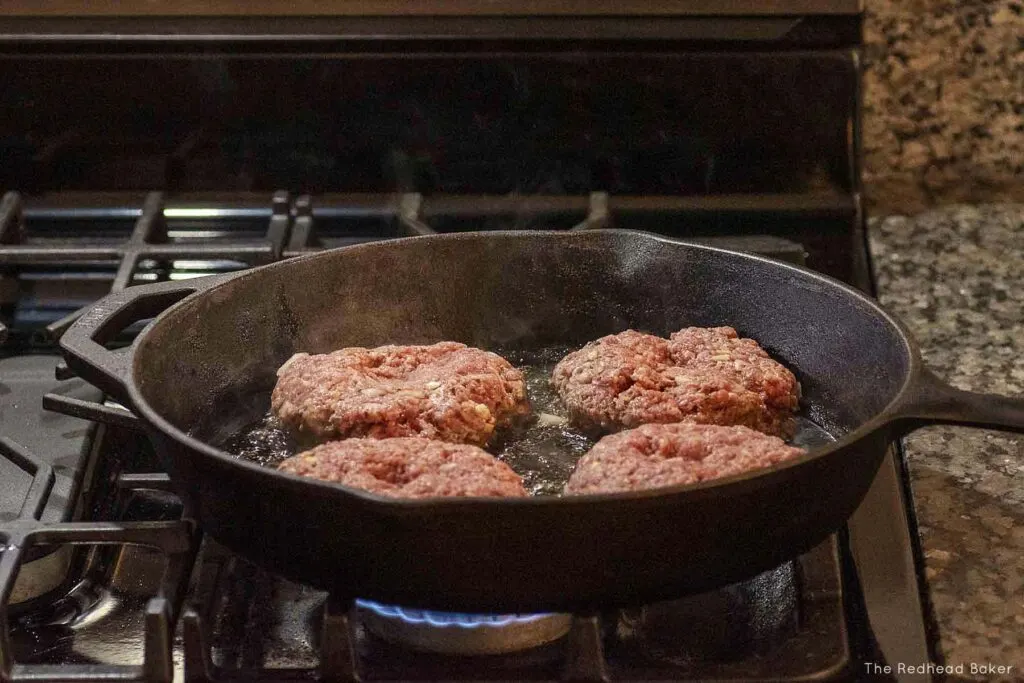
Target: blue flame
x=448, y=619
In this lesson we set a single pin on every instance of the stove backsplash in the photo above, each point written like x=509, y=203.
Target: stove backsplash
x=684, y=123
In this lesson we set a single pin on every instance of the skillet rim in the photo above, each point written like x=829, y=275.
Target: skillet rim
x=884, y=417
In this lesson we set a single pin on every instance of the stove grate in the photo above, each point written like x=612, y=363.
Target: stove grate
x=292, y=227
x=178, y=540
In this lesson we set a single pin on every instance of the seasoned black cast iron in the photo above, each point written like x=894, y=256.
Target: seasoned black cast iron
x=215, y=353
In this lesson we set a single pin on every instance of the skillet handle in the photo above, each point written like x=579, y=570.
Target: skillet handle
x=83, y=345
x=931, y=400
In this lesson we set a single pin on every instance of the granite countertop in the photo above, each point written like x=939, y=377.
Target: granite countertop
x=944, y=102
x=955, y=276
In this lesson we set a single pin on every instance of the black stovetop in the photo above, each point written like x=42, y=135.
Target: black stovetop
x=131, y=600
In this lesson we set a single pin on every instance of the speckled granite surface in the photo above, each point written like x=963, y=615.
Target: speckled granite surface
x=955, y=275
x=944, y=102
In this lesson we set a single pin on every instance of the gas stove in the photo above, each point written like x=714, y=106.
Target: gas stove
x=153, y=143
x=105, y=574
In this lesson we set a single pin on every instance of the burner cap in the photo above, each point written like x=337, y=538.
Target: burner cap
x=461, y=634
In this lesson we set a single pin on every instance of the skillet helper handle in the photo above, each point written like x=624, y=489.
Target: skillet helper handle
x=83, y=345
x=933, y=401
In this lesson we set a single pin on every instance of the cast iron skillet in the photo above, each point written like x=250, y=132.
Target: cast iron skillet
x=215, y=353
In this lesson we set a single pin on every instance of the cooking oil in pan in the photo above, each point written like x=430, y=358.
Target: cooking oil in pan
x=265, y=442
x=543, y=449
x=809, y=434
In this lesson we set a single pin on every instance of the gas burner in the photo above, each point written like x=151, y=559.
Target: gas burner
x=461, y=634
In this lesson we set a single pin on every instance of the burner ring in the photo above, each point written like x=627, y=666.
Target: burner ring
x=461, y=634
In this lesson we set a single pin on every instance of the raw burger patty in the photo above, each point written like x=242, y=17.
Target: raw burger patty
x=408, y=467
x=657, y=455
x=702, y=375
x=445, y=391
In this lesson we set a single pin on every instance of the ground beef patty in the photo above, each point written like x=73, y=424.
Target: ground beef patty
x=408, y=467
x=703, y=375
x=445, y=391
x=656, y=455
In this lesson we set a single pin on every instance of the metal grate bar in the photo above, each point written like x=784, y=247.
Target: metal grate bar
x=409, y=207
x=89, y=410
x=11, y=229
x=303, y=237
x=338, y=660
x=70, y=673
x=62, y=371
x=250, y=252
x=157, y=664
x=197, y=661
x=168, y=536
x=11, y=224
x=41, y=473
x=584, y=651
x=163, y=610
x=280, y=222
x=150, y=228
x=43, y=480
x=597, y=215
x=179, y=571
x=58, y=253
x=148, y=480
x=10, y=562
